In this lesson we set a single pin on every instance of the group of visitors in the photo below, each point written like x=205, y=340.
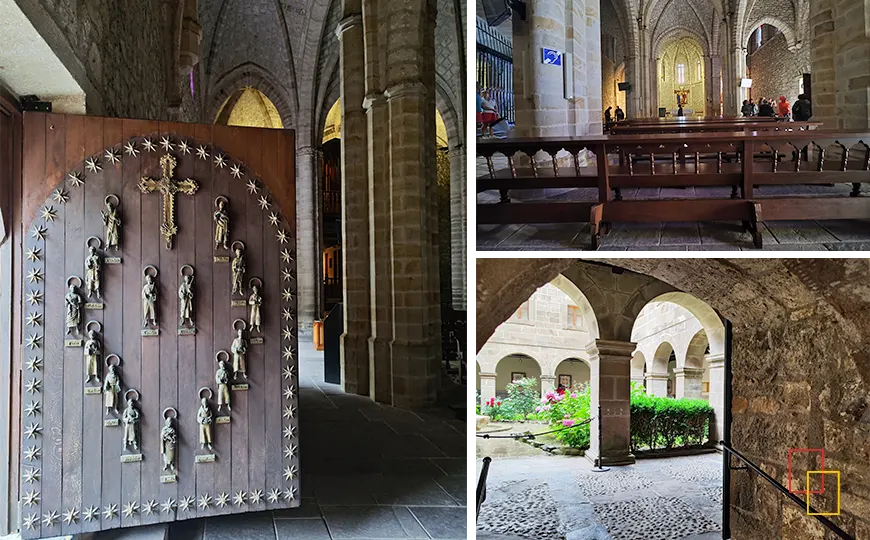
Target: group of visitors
x=608, y=116
x=800, y=112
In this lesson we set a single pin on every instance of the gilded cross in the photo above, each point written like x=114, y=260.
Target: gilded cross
x=168, y=186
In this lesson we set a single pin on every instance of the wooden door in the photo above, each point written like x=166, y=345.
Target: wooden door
x=80, y=470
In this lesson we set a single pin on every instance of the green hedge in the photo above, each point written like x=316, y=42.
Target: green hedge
x=660, y=422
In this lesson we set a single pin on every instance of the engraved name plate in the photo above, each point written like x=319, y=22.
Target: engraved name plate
x=111, y=422
x=72, y=343
x=150, y=332
x=206, y=458
x=131, y=458
x=168, y=479
x=256, y=341
x=93, y=391
x=112, y=260
x=239, y=303
x=223, y=420
x=187, y=331
x=242, y=387
x=224, y=258
x=94, y=305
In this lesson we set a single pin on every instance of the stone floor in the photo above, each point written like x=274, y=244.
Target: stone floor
x=559, y=497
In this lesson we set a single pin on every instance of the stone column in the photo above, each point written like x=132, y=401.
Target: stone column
x=487, y=386
x=657, y=384
x=307, y=256
x=610, y=364
x=354, y=205
x=548, y=384
x=632, y=97
x=688, y=383
x=717, y=395
x=458, y=226
x=715, y=70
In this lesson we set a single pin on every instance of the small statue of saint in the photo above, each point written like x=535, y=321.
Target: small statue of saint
x=185, y=301
x=168, y=440
x=149, y=302
x=239, y=272
x=111, y=389
x=205, y=419
x=73, y=310
x=131, y=425
x=93, y=271
x=221, y=224
x=93, y=351
x=255, y=301
x=239, y=350
x=222, y=379
x=112, y=221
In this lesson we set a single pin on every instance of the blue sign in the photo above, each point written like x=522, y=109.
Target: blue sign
x=552, y=57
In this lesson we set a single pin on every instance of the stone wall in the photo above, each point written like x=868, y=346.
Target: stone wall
x=776, y=71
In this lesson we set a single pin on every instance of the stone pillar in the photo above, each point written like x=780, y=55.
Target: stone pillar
x=657, y=384
x=458, y=226
x=688, y=383
x=548, y=384
x=354, y=204
x=632, y=97
x=487, y=386
x=714, y=69
x=717, y=395
x=307, y=256
x=610, y=364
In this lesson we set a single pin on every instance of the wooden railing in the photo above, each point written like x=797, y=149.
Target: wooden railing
x=678, y=160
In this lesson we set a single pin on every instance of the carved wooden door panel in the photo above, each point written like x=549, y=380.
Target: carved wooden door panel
x=150, y=396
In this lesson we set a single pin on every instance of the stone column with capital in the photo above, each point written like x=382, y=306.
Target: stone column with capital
x=688, y=383
x=548, y=384
x=610, y=363
x=657, y=384
x=307, y=226
x=717, y=395
x=458, y=226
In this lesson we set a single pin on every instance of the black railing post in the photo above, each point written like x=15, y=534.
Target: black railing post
x=481, y=484
x=726, y=436
x=600, y=468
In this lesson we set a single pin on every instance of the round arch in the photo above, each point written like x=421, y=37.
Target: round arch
x=659, y=361
x=572, y=373
x=638, y=367
x=779, y=24
x=697, y=349
x=513, y=365
x=710, y=321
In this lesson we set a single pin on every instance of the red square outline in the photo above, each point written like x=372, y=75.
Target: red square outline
x=821, y=467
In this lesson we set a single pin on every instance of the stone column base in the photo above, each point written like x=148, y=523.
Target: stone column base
x=612, y=461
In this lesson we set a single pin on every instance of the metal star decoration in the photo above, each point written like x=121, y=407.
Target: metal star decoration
x=222, y=500
x=236, y=171
x=34, y=386
x=31, y=475
x=290, y=451
x=31, y=498
x=287, y=295
x=274, y=495
x=131, y=149
x=288, y=353
x=34, y=319
x=287, y=315
x=150, y=146
x=289, y=432
x=112, y=156
x=289, y=412
x=183, y=147
x=286, y=333
x=281, y=236
x=33, y=408
x=32, y=430
x=285, y=256
x=75, y=178
x=149, y=507
x=30, y=522
x=168, y=506
x=257, y=496
x=289, y=472
x=167, y=144
x=240, y=498
x=34, y=364
x=34, y=297
x=204, y=501
x=60, y=195
x=93, y=165
x=186, y=504
x=34, y=341
x=289, y=494
x=35, y=275
x=91, y=513
x=273, y=218
x=286, y=275
x=264, y=202
x=202, y=152
x=71, y=516
x=288, y=372
x=131, y=509
x=219, y=161
x=253, y=188
x=34, y=254
x=49, y=214
x=38, y=232
x=32, y=453
x=50, y=519
x=111, y=511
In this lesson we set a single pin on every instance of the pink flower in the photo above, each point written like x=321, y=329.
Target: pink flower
x=567, y=423
x=498, y=403
x=559, y=397
x=550, y=395
x=574, y=395
x=538, y=409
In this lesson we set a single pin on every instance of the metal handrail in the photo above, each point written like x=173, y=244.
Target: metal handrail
x=830, y=525
x=481, y=484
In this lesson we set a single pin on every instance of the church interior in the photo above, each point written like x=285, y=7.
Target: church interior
x=234, y=263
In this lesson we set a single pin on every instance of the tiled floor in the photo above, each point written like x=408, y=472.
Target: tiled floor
x=368, y=471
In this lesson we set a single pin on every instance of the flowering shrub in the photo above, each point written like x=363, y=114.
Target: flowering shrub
x=493, y=409
x=519, y=403
x=563, y=410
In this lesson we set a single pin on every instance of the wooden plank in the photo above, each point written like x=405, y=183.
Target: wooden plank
x=799, y=208
x=675, y=180
x=786, y=177
x=128, y=292
x=562, y=212
x=676, y=210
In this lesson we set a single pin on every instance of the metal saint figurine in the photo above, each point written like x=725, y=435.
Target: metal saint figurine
x=222, y=379
x=93, y=269
x=93, y=352
x=221, y=223
x=112, y=385
x=205, y=419
x=149, y=298
x=255, y=301
x=239, y=349
x=73, y=306
x=131, y=422
x=238, y=269
x=168, y=440
x=112, y=221
x=185, y=298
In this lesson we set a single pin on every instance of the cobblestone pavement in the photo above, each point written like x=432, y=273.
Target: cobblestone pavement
x=561, y=498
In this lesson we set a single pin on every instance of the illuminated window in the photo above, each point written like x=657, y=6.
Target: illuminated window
x=681, y=73
x=699, y=70
x=522, y=313
x=575, y=319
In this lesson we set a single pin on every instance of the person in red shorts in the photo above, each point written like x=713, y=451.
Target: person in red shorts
x=487, y=115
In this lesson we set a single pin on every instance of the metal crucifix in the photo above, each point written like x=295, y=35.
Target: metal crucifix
x=168, y=186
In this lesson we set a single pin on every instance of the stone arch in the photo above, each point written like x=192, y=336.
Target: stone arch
x=578, y=369
x=779, y=24
x=452, y=121
x=575, y=294
x=249, y=75
x=638, y=366
x=659, y=361
x=711, y=322
x=696, y=350
x=677, y=34
x=516, y=362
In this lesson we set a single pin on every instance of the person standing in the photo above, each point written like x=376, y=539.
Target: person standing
x=620, y=115
x=766, y=109
x=784, y=107
x=802, y=110
x=753, y=108
x=746, y=109
x=608, y=117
